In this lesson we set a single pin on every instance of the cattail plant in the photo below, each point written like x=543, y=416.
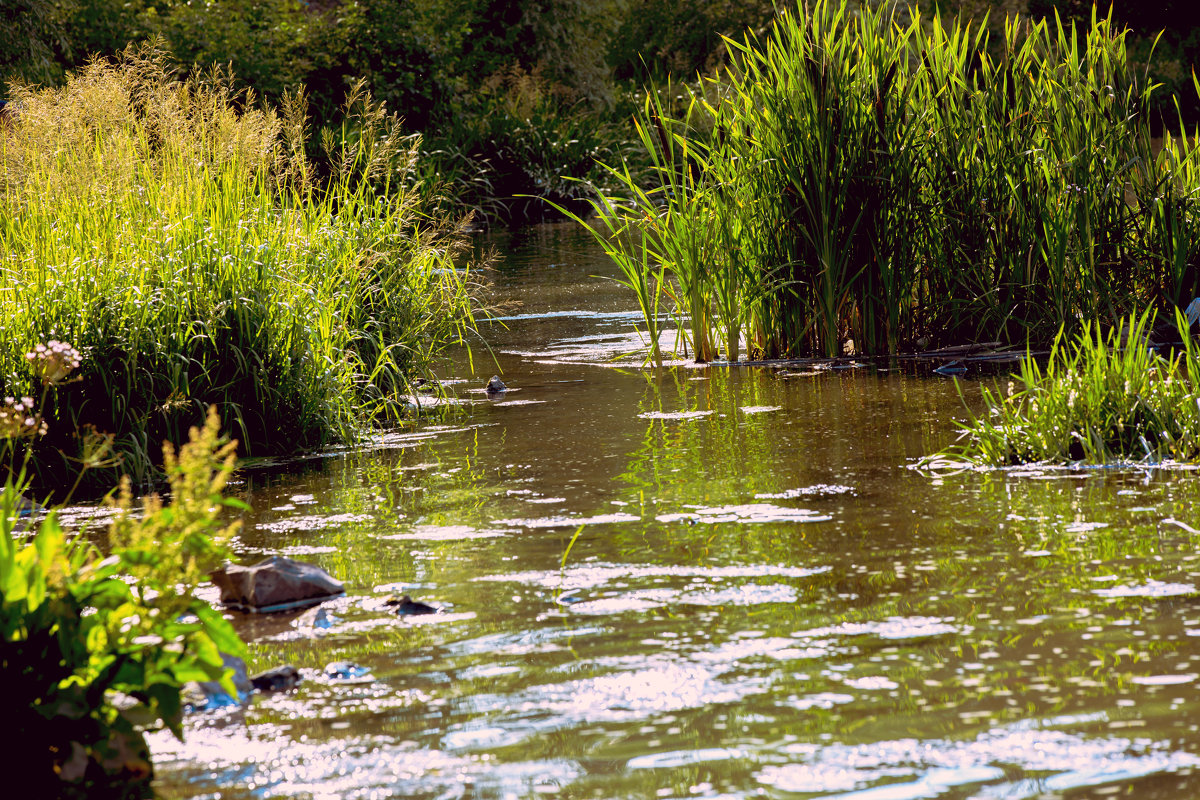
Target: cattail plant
x=862, y=173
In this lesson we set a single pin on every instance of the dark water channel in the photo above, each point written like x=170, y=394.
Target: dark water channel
x=763, y=597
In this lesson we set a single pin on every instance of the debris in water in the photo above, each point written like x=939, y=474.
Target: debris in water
x=405, y=606
x=951, y=368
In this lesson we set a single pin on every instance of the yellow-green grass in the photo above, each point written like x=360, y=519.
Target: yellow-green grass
x=174, y=233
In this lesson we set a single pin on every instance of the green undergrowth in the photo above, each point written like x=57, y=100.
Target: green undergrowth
x=96, y=646
x=174, y=234
x=865, y=174
x=516, y=145
x=1100, y=398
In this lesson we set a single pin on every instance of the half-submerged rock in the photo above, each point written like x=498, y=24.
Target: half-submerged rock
x=495, y=385
x=277, y=679
x=209, y=695
x=405, y=606
x=274, y=584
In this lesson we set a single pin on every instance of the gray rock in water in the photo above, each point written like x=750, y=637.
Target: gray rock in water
x=405, y=606
x=276, y=584
x=278, y=679
x=495, y=385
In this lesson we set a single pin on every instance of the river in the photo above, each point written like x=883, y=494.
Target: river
x=706, y=582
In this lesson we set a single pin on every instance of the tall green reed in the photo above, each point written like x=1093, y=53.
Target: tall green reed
x=174, y=232
x=869, y=175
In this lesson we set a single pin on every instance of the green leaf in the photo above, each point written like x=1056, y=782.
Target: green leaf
x=220, y=631
x=166, y=700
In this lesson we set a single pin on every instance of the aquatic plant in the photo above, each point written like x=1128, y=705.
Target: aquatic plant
x=863, y=174
x=1101, y=397
x=177, y=235
x=96, y=646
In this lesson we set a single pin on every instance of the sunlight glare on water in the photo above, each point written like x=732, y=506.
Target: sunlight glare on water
x=705, y=582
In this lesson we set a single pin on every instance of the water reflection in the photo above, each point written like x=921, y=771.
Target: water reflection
x=759, y=594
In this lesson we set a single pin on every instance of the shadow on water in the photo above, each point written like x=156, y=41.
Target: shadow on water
x=760, y=595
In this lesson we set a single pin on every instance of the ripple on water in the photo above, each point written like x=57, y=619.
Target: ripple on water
x=351, y=769
x=311, y=522
x=445, y=533
x=521, y=643
x=932, y=767
x=684, y=758
x=674, y=414
x=618, y=349
x=745, y=513
x=759, y=409
x=890, y=628
x=634, y=694
x=592, y=575
x=568, y=522
x=816, y=490
x=647, y=599
x=1151, y=588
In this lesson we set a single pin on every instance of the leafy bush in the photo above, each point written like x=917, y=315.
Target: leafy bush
x=95, y=649
x=1101, y=398
x=184, y=246
x=521, y=144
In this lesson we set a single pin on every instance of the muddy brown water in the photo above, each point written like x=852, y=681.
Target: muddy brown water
x=762, y=597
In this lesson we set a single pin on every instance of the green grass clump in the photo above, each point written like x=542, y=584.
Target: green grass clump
x=1101, y=398
x=174, y=234
x=866, y=174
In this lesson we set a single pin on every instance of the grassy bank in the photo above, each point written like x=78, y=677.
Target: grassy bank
x=175, y=235
x=861, y=175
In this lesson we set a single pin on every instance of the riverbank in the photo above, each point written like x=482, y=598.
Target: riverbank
x=183, y=244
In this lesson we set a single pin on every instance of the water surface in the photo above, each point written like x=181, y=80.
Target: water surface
x=707, y=582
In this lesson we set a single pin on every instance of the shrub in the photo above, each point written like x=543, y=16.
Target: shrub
x=96, y=649
x=519, y=145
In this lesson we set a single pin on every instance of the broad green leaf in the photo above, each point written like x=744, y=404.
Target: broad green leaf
x=220, y=631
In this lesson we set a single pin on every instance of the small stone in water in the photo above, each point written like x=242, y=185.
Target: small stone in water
x=318, y=618
x=406, y=606
x=279, y=679
x=495, y=385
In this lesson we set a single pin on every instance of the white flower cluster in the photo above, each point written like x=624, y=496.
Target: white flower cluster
x=17, y=420
x=53, y=360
